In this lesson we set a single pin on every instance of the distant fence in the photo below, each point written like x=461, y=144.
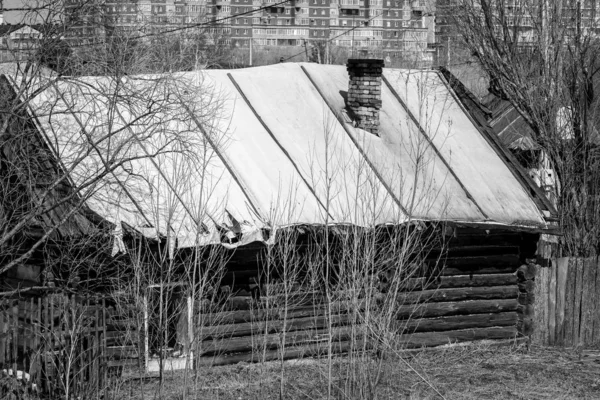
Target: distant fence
x=54, y=343
x=567, y=303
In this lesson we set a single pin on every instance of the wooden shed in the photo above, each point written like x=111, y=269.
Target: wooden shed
x=299, y=208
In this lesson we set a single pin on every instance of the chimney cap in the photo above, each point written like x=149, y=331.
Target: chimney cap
x=365, y=61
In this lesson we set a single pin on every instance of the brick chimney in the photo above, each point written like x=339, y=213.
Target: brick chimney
x=364, y=93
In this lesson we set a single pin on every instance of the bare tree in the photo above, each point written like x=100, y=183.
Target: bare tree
x=543, y=56
x=50, y=172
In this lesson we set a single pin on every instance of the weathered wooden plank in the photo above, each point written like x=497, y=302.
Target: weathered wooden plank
x=562, y=268
x=457, y=294
x=456, y=308
x=15, y=338
x=430, y=339
x=3, y=332
x=595, y=339
x=588, y=300
x=540, y=333
x=577, y=339
x=596, y=333
x=552, y=306
x=462, y=281
x=456, y=322
x=570, y=302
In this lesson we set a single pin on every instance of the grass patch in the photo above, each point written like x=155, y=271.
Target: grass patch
x=458, y=372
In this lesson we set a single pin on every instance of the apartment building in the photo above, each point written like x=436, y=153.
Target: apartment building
x=524, y=18
x=383, y=28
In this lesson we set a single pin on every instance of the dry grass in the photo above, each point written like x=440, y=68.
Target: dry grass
x=459, y=372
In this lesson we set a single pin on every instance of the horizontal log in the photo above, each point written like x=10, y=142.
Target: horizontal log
x=473, y=250
x=408, y=341
x=457, y=322
x=272, y=341
x=293, y=311
x=482, y=238
x=462, y=281
x=257, y=327
x=458, y=294
x=477, y=265
x=456, y=308
x=431, y=339
x=291, y=352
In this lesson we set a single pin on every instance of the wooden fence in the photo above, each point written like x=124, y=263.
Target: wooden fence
x=567, y=303
x=57, y=340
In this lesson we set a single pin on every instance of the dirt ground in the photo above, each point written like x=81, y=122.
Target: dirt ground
x=459, y=372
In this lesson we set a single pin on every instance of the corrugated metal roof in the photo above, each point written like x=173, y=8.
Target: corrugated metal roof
x=269, y=147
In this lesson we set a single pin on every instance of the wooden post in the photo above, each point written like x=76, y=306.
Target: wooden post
x=540, y=314
x=596, y=334
x=103, y=357
x=577, y=339
x=15, y=338
x=96, y=369
x=570, y=302
x=552, y=306
x=588, y=301
x=3, y=336
x=39, y=343
x=562, y=268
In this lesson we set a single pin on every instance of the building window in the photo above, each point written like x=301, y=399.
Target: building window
x=322, y=12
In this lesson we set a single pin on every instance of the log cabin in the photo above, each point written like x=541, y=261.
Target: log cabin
x=270, y=212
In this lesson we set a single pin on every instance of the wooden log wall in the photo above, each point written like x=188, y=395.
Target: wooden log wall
x=469, y=292
x=567, y=303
